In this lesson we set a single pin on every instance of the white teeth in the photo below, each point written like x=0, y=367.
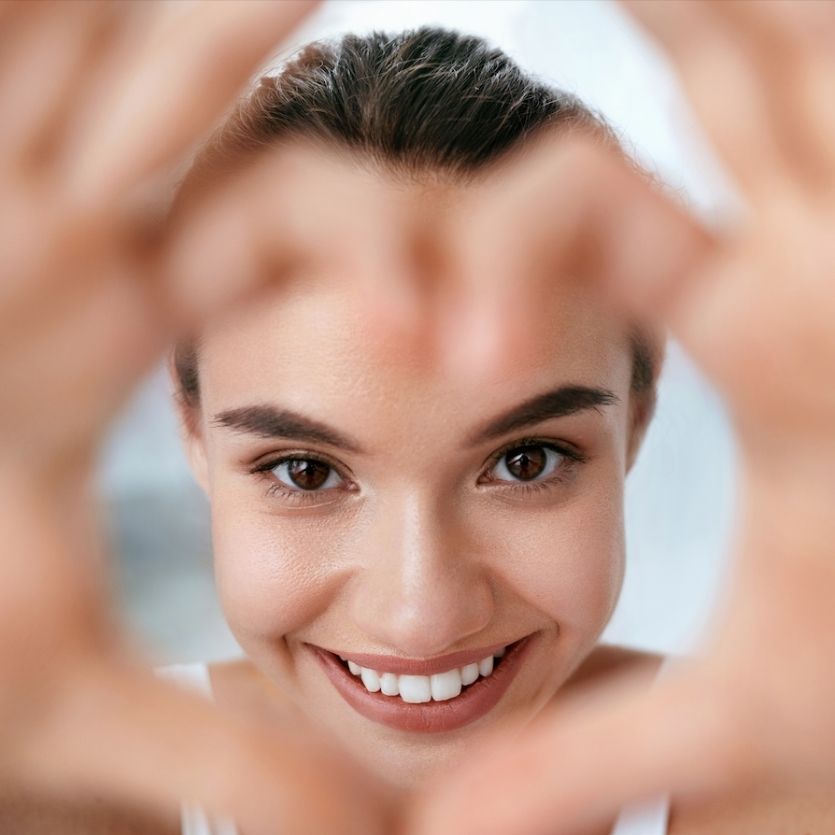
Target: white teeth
x=389, y=684
x=485, y=666
x=370, y=679
x=419, y=689
x=445, y=685
x=415, y=689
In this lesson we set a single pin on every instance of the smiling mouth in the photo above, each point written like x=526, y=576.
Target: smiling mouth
x=442, y=701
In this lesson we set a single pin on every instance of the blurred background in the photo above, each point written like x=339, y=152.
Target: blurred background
x=679, y=496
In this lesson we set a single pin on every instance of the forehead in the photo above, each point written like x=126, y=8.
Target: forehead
x=309, y=347
x=312, y=353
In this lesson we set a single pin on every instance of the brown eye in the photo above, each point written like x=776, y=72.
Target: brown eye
x=306, y=474
x=528, y=463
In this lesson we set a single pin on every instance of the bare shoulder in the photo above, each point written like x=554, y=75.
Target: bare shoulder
x=26, y=814
x=796, y=813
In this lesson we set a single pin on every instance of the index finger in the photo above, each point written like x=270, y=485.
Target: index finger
x=569, y=207
x=161, y=100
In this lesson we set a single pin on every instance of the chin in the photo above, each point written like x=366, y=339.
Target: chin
x=408, y=764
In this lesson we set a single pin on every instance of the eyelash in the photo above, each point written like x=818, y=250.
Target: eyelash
x=276, y=489
x=573, y=458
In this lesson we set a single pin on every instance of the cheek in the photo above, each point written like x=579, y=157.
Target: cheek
x=276, y=574
x=273, y=574
x=566, y=561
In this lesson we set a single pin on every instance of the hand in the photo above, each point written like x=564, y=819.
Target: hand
x=98, y=102
x=754, y=305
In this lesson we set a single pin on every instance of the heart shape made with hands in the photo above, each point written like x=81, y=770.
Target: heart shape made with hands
x=84, y=717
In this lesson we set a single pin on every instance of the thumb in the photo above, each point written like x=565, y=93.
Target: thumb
x=577, y=765
x=119, y=732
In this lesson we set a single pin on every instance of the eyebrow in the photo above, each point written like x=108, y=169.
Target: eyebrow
x=559, y=402
x=265, y=421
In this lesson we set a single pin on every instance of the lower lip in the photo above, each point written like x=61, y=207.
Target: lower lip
x=430, y=717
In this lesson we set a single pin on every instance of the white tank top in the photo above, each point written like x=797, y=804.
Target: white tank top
x=639, y=819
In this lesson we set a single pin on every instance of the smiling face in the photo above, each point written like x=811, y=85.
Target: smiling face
x=365, y=504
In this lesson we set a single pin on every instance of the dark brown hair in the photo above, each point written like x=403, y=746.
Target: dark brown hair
x=425, y=100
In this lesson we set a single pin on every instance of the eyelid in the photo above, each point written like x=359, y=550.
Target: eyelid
x=272, y=460
x=288, y=498
x=563, y=447
x=573, y=455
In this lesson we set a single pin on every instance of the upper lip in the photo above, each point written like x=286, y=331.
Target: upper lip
x=420, y=666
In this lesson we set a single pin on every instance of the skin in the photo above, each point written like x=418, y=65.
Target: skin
x=72, y=278
x=419, y=544
x=751, y=294
x=87, y=306
x=413, y=554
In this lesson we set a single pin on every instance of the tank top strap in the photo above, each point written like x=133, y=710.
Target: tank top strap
x=191, y=676
x=193, y=819
x=649, y=818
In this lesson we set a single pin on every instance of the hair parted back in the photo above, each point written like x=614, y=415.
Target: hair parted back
x=418, y=101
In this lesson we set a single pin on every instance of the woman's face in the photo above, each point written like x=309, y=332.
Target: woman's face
x=365, y=503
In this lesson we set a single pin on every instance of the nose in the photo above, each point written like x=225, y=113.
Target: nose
x=419, y=592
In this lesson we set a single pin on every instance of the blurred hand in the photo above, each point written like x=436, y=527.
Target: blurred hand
x=754, y=304
x=89, y=297
x=99, y=101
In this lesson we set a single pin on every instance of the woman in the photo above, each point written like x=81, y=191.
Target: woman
x=408, y=560
x=384, y=536
x=500, y=594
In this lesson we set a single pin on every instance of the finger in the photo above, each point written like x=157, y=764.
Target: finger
x=728, y=94
x=791, y=47
x=94, y=344
x=121, y=734
x=49, y=59
x=806, y=17
x=163, y=99
x=588, y=758
x=49, y=565
x=576, y=208
x=12, y=13
x=292, y=216
x=394, y=296
x=7, y=8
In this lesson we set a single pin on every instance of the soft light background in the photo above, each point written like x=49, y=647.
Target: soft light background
x=680, y=496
